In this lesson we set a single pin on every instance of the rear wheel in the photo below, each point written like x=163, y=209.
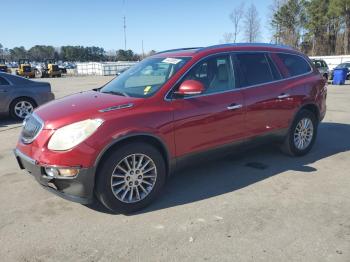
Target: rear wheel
x=130, y=178
x=22, y=107
x=301, y=135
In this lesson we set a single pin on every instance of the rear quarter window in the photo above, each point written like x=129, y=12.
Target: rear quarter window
x=295, y=65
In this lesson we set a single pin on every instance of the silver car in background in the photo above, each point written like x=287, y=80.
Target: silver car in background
x=19, y=96
x=322, y=67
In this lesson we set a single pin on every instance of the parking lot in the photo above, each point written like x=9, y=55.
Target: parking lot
x=260, y=205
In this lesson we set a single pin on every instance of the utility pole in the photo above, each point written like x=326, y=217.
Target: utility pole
x=143, y=51
x=124, y=32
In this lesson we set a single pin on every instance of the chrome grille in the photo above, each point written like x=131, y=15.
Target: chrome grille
x=32, y=126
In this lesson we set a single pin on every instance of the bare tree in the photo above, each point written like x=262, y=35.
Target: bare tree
x=252, y=24
x=227, y=38
x=236, y=17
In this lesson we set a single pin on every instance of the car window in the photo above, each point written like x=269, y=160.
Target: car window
x=214, y=73
x=3, y=82
x=318, y=63
x=295, y=64
x=255, y=69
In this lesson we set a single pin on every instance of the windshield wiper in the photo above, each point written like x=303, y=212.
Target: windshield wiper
x=116, y=93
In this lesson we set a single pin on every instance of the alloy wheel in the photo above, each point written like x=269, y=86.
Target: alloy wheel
x=303, y=133
x=23, y=109
x=133, y=178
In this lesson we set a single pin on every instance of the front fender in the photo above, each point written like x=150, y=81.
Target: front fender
x=130, y=135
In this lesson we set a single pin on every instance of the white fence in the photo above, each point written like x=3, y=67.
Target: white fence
x=111, y=68
x=102, y=69
x=333, y=61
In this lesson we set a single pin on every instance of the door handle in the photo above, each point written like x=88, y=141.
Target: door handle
x=234, y=106
x=282, y=96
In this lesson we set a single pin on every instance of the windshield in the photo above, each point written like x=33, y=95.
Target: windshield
x=145, y=78
x=341, y=66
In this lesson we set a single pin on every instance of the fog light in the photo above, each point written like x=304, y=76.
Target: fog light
x=68, y=172
x=51, y=171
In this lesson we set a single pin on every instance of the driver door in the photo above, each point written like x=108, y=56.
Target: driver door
x=213, y=118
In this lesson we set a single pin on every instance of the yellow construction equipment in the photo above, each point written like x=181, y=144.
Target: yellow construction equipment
x=51, y=69
x=3, y=66
x=25, y=69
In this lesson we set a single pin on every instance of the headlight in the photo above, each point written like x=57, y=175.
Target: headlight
x=69, y=136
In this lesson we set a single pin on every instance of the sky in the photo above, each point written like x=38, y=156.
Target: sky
x=161, y=24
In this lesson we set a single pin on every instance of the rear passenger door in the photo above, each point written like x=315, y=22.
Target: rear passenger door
x=269, y=100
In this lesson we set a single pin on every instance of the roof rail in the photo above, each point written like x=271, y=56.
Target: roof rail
x=247, y=44
x=178, y=49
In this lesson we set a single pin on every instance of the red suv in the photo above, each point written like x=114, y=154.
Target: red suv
x=120, y=142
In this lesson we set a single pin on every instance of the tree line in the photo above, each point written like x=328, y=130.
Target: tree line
x=41, y=53
x=315, y=27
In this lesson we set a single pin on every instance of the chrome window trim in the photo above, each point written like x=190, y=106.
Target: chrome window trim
x=239, y=88
x=29, y=141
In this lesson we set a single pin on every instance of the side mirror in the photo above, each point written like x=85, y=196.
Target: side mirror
x=190, y=87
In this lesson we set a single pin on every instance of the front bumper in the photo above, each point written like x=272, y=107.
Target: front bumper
x=78, y=189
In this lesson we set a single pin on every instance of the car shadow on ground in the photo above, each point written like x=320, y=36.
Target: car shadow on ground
x=233, y=172
x=7, y=122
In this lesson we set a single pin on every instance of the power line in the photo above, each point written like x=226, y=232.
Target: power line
x=124, y=23
x=124, y=32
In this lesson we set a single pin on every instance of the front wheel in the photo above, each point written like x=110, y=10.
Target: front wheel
x=130, y=178
x=302, y=134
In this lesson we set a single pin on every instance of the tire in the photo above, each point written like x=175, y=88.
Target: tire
x=290, y=145
x=112, y=197
x=39, y=74
x=20, y=114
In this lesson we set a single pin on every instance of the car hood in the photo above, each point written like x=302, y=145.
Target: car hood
x=82, y=106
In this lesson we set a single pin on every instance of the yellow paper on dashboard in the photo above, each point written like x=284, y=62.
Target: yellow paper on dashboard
x=146, y=90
